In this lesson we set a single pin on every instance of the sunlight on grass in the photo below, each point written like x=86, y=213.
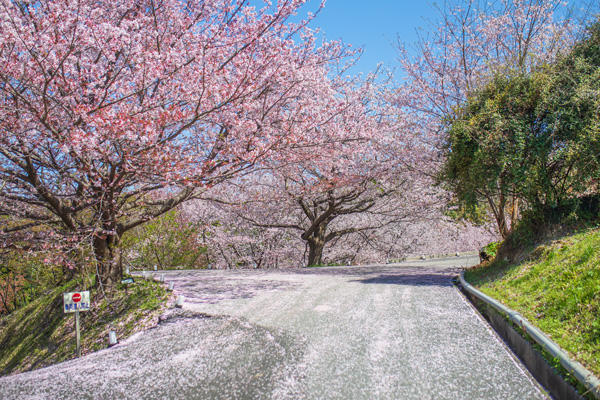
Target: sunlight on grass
x=40, y=334
x=557, y=289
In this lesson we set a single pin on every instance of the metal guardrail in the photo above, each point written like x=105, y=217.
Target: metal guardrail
x=588, y=379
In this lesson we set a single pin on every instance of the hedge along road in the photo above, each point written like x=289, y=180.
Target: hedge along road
x=376, y=332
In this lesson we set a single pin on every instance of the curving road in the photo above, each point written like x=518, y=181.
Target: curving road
x=376, y=332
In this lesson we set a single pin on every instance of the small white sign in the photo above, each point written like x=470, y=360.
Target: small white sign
x=76, y=301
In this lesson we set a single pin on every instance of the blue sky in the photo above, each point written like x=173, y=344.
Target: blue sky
x=374, y=25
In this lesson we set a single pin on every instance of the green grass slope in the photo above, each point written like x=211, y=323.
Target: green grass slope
x=40, y=334
x=557, y=288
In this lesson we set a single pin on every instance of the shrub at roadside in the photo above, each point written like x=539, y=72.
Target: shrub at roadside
x=489, y=251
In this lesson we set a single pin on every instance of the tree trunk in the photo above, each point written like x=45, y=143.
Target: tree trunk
x=108, y=259
x=315, y=251
x=514, y=212
x=501, y=221
x=316, y=243
x=499, y=214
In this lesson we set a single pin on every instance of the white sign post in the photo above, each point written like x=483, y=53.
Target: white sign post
x=75, y=302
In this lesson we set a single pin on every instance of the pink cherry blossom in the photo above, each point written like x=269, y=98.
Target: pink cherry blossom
x=115, y=112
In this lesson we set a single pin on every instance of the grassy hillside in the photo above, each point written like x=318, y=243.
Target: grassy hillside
x=557, y=288
x=40, y=334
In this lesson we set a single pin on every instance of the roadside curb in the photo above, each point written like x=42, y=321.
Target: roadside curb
x=434, y=257
x=500, y=317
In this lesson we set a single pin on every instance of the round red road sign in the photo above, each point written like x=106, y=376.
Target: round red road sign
x=76, y=297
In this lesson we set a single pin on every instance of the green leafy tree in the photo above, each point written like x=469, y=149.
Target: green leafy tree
x=493, y=143
x=573, y=97
x=529, y=140
x=168, y=241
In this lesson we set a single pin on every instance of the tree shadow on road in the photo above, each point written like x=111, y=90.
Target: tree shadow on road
x=416, y=279
x=405, y=275
x=215, y=286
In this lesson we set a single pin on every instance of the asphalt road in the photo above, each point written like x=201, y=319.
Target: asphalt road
x=377, y=332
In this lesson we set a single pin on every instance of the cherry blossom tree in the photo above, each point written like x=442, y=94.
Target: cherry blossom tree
x=112, y=113
x=266, y=232
x=347, y=198
x=315, y=218
x=354, y=195
x=232, y=242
